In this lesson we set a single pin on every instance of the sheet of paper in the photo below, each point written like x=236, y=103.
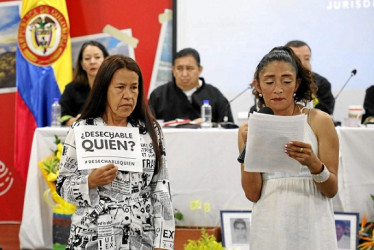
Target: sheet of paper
x=100, y=145
x=267, y=135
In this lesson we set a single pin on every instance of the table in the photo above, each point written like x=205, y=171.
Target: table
x=202, y=167
x=356, y=170
x=36, y=225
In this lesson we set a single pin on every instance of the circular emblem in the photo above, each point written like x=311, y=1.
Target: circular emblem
x=42, y=35
x=6, y=179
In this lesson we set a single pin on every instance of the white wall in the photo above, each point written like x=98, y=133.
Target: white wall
x=233, y=36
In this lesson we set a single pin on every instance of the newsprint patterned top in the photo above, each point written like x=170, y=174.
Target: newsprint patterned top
x=133, y=212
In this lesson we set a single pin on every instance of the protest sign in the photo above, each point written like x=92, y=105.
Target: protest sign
x=101, y=145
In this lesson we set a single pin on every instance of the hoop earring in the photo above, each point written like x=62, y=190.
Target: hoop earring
x=260, y=95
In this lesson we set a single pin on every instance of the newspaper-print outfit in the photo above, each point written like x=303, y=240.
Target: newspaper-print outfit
x=133, y=212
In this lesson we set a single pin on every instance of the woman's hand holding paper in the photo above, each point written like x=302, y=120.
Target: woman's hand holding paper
x=303, y=153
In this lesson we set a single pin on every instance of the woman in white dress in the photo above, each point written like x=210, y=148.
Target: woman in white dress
x=293, y=211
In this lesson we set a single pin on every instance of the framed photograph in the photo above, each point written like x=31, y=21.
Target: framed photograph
x=235, y=229
x=346, y=225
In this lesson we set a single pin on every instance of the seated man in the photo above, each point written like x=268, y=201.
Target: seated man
x=183, y=97
x=325, y=100
x=369, y=105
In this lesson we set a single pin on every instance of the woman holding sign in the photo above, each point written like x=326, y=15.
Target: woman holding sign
x=292, y=210
x=117, y=209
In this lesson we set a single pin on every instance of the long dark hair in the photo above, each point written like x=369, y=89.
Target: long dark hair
x=282, y=53
x=140, y=117
x=80, y=75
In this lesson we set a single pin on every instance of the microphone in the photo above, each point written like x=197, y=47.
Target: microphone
x=263, y=110
x=226, y=123
x=353, y=73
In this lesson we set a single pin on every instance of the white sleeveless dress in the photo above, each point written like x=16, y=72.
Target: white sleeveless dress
x=292, y=213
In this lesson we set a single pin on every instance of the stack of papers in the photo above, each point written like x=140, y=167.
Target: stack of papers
x=267, y=135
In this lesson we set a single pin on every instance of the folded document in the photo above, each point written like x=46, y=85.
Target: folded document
x=267, y=135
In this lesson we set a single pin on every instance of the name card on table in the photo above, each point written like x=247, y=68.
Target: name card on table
x=101, y=145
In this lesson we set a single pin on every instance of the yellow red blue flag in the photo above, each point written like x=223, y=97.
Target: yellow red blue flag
x=43, y=68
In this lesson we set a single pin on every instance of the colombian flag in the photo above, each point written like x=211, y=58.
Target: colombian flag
x=43, y=68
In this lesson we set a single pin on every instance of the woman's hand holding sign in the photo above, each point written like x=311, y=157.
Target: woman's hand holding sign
x=102, y=176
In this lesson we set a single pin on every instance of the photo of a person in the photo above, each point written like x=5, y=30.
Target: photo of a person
x=239, y=231
x=343, y=233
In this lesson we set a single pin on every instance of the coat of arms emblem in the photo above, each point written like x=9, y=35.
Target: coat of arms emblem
x=43, y=35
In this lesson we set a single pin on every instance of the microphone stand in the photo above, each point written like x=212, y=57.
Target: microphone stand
x=226, y=123
x=353, y=73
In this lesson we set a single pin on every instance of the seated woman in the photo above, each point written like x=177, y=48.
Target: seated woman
x=90, y=57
